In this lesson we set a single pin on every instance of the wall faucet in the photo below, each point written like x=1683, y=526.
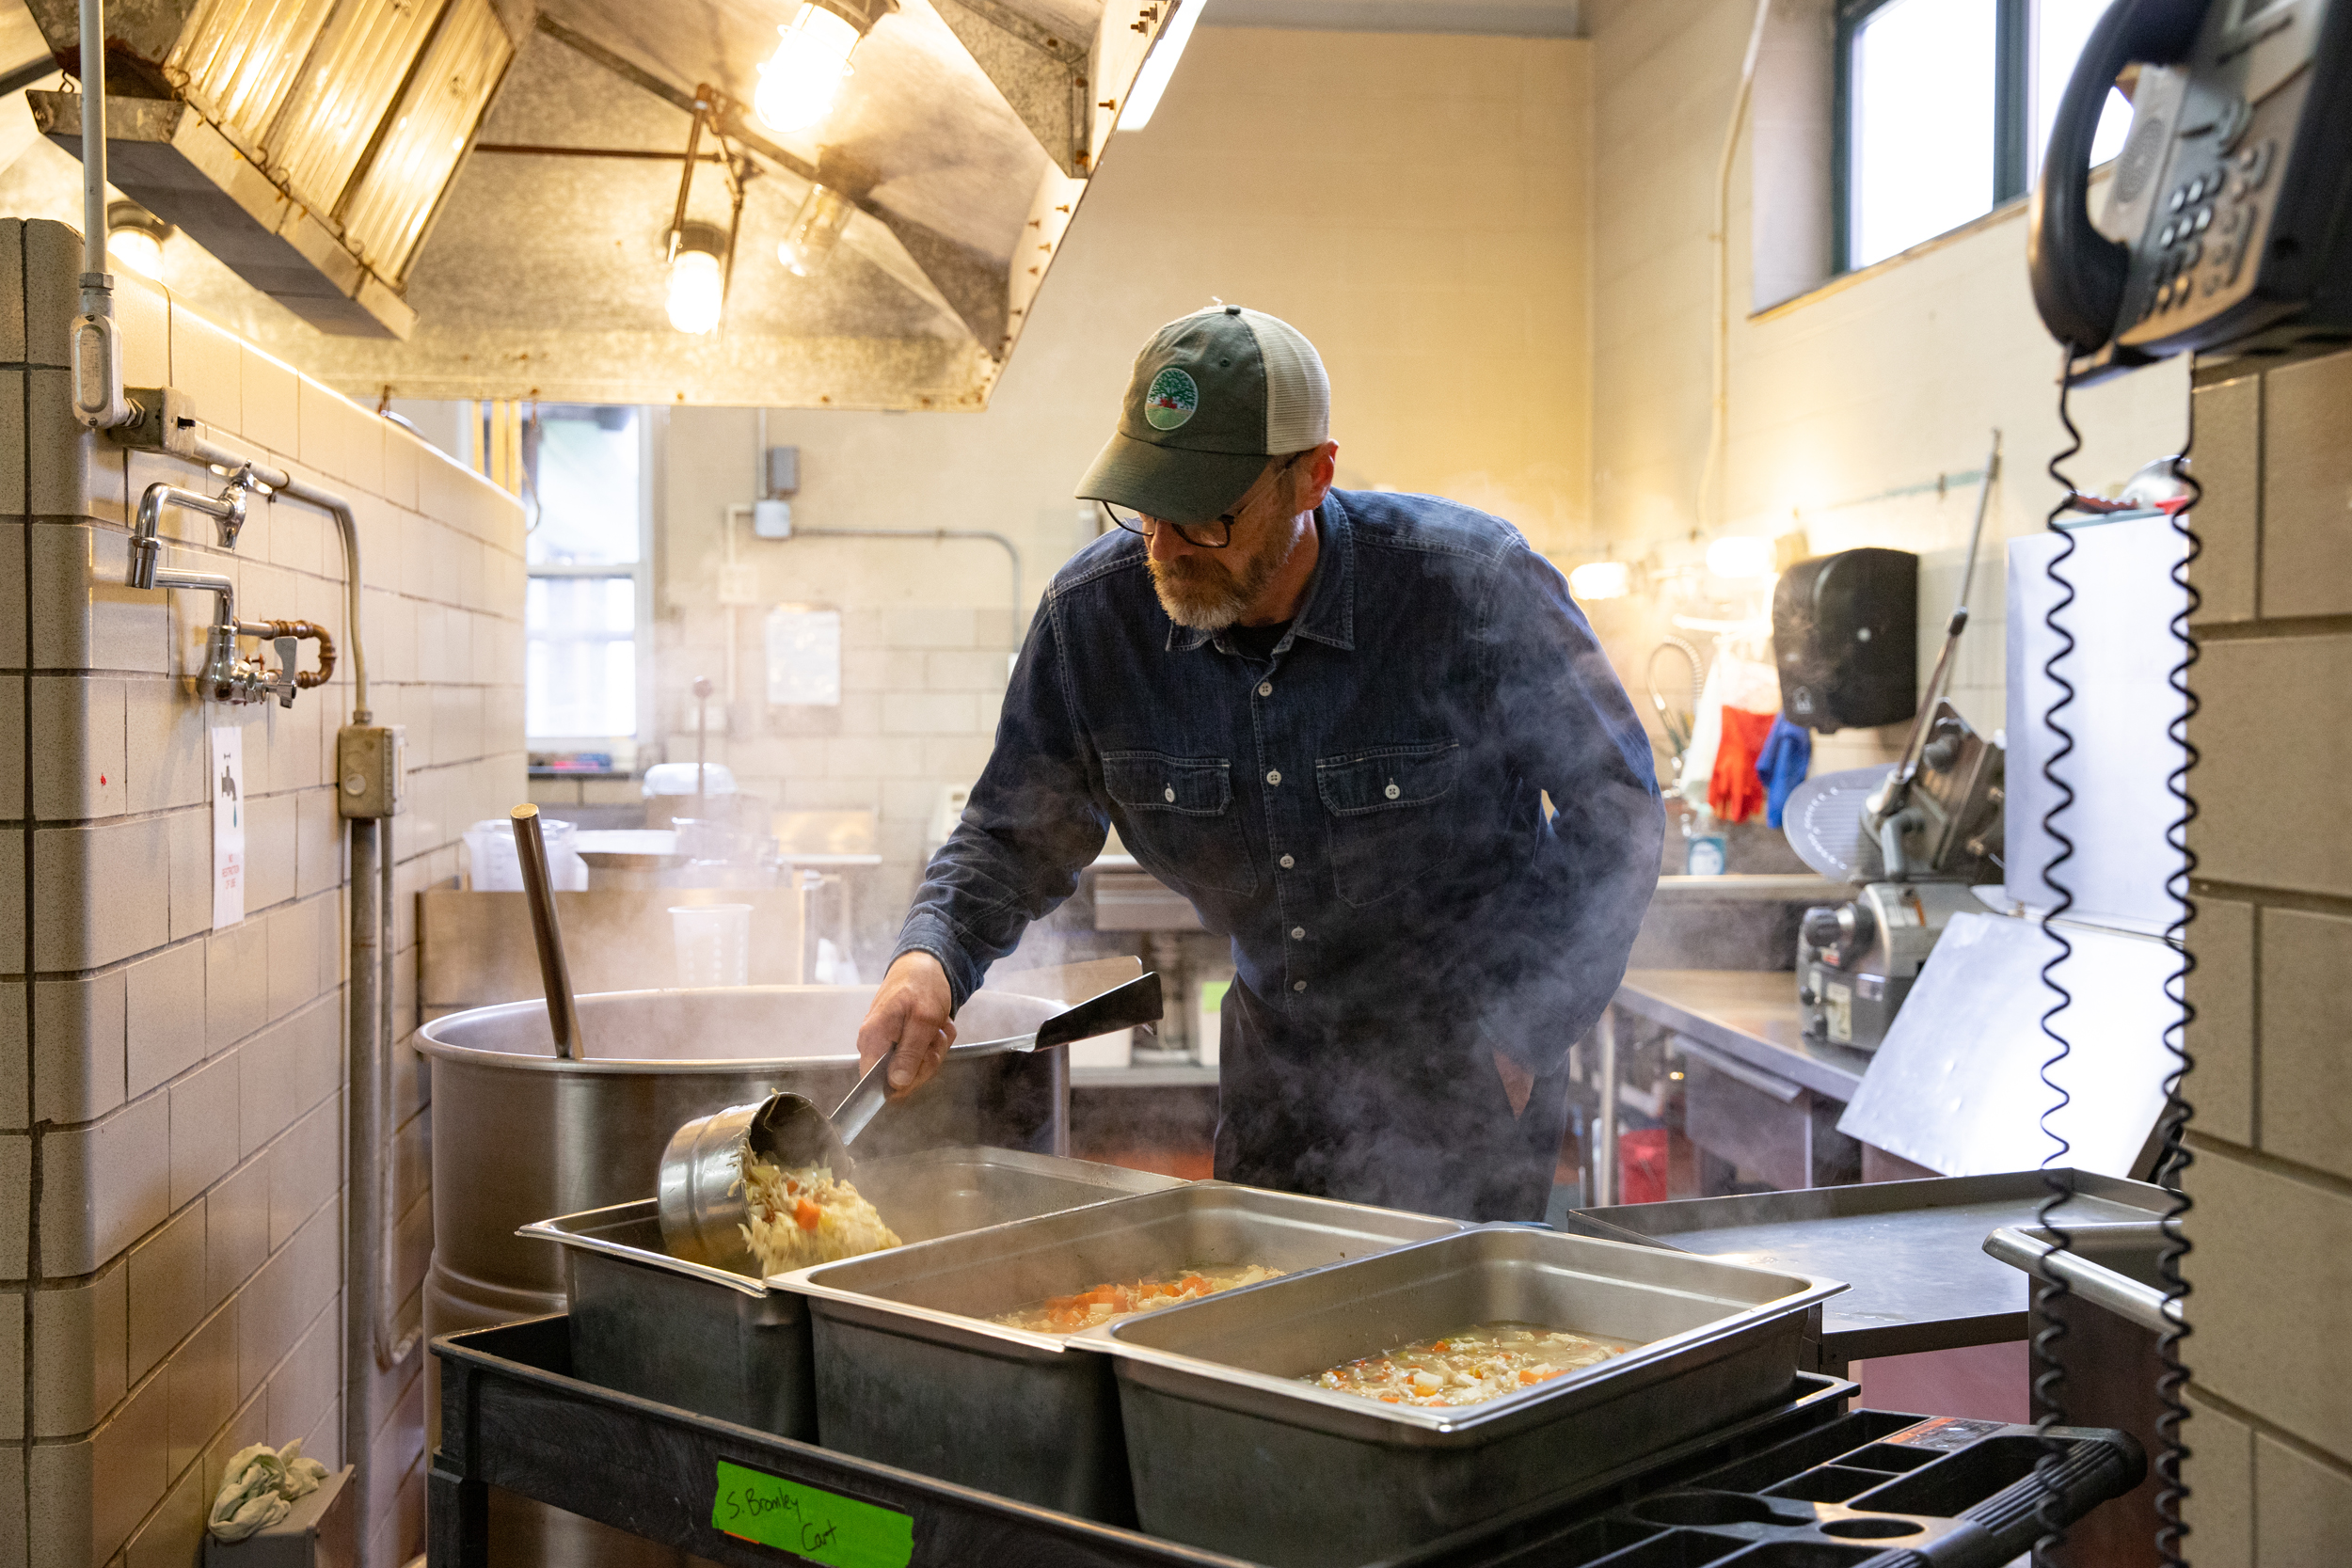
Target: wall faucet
x=228, y=675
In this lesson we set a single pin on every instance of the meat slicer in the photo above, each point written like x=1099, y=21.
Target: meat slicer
x=1914, y=836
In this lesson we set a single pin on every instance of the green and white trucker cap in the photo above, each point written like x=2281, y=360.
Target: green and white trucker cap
x=1214, y=395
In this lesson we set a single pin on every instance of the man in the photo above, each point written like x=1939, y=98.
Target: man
x=1329, y=720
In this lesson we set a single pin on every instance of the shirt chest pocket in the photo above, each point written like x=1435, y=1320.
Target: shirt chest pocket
x=1385, y=813
x=1178, y=817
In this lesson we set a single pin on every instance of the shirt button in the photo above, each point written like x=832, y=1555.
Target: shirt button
x=1298, y=985
x=1274, y=776
x=1391, y=792
x=1288, y=863
x=1265, y=688
x=1169, y=794
x=1299, y=933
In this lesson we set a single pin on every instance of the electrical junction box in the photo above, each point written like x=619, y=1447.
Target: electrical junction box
x=783, y=470
x=371, y=769
x=739, y=583
x=771, y=519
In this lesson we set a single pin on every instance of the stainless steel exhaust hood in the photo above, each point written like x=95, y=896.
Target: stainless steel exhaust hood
x=471, y=198
x=307, y=145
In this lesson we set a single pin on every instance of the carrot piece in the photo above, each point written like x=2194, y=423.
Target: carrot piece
x=807, y=1214
x=1528, y=1374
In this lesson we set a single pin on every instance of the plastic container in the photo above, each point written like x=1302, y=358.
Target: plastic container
x=714, y=944
x=490, y=853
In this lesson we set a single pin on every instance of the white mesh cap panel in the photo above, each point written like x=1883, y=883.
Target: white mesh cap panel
x=1297, y=393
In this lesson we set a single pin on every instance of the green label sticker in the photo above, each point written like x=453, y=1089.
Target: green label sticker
x=822, y=1527
x=1170, y=400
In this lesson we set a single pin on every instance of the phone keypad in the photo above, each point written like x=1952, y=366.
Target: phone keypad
x=2219, y=202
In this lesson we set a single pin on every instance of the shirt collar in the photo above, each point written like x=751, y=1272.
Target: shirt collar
x=1329, y=615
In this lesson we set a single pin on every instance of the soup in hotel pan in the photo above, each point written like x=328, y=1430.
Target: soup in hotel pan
x=726, y=1345
x=908, y=1371
x=1229, y=1449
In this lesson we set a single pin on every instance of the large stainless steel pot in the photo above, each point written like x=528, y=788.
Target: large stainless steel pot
x=519, y=1134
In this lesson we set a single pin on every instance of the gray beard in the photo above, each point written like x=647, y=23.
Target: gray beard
x=1212, y=600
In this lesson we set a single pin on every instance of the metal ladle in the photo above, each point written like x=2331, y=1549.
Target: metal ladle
x=700, y=1192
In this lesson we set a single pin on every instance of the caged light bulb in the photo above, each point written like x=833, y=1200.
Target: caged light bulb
x=1600, y=579
x=797, y=87
x=1741, y=555
x=816, y=230
x=695, y=291
x=137, y=251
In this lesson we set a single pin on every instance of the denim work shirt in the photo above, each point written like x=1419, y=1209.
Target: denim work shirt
x=1361, y=814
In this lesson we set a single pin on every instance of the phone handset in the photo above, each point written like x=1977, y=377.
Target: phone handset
x=2079, y=273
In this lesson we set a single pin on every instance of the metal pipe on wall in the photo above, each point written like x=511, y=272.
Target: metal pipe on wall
x=371, y=1340
x=363, y=1209
x=347, y=526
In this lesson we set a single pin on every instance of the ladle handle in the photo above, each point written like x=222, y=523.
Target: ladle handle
x=531, y=850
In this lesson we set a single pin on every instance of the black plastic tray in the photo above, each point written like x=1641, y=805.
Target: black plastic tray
x=1869, y=1488
x=1774, y=1491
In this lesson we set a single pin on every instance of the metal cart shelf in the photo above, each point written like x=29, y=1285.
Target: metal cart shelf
x=513, y=1416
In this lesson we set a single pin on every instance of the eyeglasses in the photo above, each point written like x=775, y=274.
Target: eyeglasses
x=1215, y=534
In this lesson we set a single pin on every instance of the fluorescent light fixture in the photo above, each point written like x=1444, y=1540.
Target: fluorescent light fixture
x=696, y=292
x=1741, y=555
x=798, y=86
x=1601, y=579
x=1143, y=95
x=816, y=230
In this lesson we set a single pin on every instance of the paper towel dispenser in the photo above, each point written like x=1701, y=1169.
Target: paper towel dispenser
x=1845, y=634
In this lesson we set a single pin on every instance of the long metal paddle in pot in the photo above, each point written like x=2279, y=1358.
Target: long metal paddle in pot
x=555, y=977
x=700, y=1183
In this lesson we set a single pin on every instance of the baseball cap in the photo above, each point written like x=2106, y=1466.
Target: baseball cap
x=1213, y=396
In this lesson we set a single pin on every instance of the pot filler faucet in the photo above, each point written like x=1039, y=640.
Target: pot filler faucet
x=229, y=676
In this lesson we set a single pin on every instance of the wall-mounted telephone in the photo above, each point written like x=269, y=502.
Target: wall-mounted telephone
x=2234, y=186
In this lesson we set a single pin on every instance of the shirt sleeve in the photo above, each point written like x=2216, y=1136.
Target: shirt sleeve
x=1572, y=730
x=1033, y=822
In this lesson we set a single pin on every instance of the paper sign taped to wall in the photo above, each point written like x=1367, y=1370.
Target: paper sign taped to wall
x=227, y=826
x=804, y=657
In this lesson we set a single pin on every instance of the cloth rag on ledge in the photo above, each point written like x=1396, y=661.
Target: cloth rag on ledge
x=1734, y=792
x=259, y=1488
x=1782, y=764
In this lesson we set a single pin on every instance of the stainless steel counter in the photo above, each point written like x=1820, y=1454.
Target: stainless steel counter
x=1914, y=1251
x=1748, y=1015
x=1756, y=1092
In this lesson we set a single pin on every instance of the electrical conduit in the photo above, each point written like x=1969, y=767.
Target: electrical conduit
x=371, y=1337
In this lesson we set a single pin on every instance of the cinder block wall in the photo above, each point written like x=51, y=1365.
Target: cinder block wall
x=172, y=1096
x=2272, y=1229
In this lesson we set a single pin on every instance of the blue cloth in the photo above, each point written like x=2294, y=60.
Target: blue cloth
x=1782, y=763
x=1361, y=814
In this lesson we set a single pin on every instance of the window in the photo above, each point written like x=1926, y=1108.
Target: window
x=584, y=602
x=1944, y=106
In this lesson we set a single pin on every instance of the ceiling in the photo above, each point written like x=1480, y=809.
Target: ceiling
x=545, y=275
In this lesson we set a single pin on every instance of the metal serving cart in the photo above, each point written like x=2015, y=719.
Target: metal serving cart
x=1806, y=1482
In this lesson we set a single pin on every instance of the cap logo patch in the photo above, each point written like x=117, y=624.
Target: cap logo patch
x=1170, y=400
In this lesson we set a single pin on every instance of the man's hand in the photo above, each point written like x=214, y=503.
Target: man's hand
x=909, y=1021
x=1518, y=1082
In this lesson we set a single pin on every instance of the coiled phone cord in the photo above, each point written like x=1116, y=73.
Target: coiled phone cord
x=2175, y=1156
x=2050, y=1291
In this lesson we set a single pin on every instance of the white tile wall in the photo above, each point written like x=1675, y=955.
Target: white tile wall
x=185, y=1083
